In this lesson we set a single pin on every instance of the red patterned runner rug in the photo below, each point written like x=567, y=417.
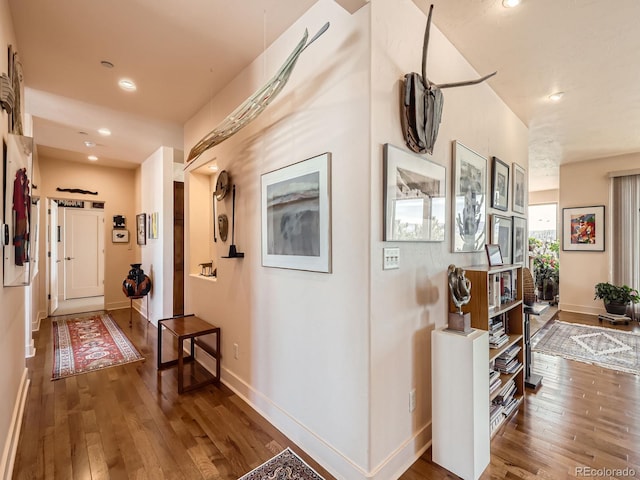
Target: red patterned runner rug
x=90, y=343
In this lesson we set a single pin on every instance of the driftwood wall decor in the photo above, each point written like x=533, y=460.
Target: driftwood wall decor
x=422, y=103
x=255, y=104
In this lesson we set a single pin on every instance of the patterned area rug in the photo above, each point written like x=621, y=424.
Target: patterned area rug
x=89, y=343
x=605, y=347
x=284, y=466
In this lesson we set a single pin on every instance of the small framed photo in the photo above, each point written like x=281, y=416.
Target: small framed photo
x=583, y=229
x=500, y=185
x=141, y=228
x=494, y=256
x=119, y=235
x=501, y=233
x=296, y=215
x=414, y=197
x=520, y=241
x=519, y=193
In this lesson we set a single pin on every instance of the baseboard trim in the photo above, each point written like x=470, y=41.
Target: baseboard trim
x=35, y=326
x=11, y=444
x=319, y=449
x=565, y=307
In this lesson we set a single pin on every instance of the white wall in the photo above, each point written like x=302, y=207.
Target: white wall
x=157, y=255
x=407, y=304
x=330, y=358
x=13, y=381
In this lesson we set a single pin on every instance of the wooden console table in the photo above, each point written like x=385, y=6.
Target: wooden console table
x=189, y=327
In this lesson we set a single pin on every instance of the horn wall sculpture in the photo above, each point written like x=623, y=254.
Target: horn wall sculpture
x=422, y=102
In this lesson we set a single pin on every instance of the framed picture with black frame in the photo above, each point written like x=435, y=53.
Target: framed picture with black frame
x=520, y=243
x=494, y=256
x=519, y=193
x=500, y=185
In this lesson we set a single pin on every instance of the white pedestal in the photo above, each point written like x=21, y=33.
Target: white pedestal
x=460, y=398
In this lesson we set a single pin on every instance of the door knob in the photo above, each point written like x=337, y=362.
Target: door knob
x=69, y=258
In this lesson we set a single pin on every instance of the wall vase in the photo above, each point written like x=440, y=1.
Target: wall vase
x=137, y=284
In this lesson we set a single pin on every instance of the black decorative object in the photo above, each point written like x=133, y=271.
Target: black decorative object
x=76, y=190
x=137, y=284
x=233, y=251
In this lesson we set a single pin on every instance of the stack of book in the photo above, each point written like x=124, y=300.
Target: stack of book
x=507, y=361
x=497, y=335
x=494, y=380
x=496, y=416
x=506, y=394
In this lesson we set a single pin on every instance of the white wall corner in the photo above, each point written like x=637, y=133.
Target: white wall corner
x=352, y=6
x=11, y=442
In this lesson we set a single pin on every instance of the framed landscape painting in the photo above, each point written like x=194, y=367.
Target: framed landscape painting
x=414, y=197
x=296, y=216
x=583, y=229
x=469, y=199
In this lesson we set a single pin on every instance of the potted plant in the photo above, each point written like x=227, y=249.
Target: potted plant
x=616, y=298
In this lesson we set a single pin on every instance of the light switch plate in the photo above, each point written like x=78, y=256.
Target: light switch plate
x=390, y=258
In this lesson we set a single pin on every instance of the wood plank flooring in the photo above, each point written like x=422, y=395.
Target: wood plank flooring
x=128, y=422
x=582, y=417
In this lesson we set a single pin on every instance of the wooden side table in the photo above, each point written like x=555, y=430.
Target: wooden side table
x=189, y=327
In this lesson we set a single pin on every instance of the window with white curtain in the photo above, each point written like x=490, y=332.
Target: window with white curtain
x=625, y=237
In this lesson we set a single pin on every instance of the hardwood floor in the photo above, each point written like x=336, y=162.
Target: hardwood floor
x=129, y=422
x=582, y=417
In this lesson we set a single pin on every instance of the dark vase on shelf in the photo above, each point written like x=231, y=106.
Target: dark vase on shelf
x=137, y=284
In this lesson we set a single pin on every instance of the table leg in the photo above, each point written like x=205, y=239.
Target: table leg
x=159, y=345
x=180, y=364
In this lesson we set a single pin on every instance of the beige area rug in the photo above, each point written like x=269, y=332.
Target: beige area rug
x=604, y=347
x=284, y=466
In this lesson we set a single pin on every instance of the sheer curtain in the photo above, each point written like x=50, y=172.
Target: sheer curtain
x=625, y=213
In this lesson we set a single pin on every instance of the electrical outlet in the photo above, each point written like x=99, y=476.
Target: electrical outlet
x=236, y=351
x=412, y=400
x=390, y=258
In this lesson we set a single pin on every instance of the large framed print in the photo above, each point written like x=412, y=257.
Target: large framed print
x=520, y=241
x=469, y=199
x=414, y=197
x=583, y=229
x=500, y=185
x=296, y=216
x=519, y=193
x=501, y=233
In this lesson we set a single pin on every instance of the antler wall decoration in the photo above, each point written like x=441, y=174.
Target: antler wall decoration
x=422, y=102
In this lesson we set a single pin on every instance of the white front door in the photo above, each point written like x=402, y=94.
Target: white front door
x=84, y=253
x=54, y=259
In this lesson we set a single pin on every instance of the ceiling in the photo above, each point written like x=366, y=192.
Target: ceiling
x=181, y=52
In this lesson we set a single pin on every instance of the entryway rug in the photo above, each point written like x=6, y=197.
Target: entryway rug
x=284, y=466
x=89, y=343
x=604, y=347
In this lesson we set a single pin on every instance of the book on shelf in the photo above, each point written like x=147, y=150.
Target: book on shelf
x=509, y=353
x=495, y=385
x=511, y=406
x=506, y=394
x=498, y=342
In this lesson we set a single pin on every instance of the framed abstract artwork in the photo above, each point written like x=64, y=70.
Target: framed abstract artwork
x=414, y=197
x=469, y=199
x=500, y=185
x=501, y=233
x=583, y=229
x=520, y=241
x=296, y=216
x=519, y=193
x=141, y=228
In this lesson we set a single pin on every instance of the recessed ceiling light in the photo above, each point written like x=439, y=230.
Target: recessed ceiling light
x=93, y=158
x=555, y=97
x=127, y=85
x=106, y=64
x=510, y=3
x=105, y=132
x=89, y=143
x=213, y=168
